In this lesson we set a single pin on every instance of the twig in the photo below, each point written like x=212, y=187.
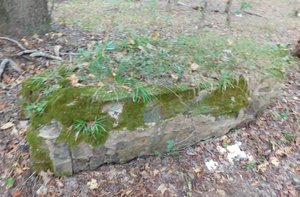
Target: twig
x=14, y=41
x=46, y=55
x=10, y=62
x=26, y=52
x=28, y=179
x=253, y=14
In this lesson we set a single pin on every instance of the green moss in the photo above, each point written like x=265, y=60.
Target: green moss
x=170, y=102
x=68, y=105
x=31, y=89
x=226, y=102
x=174, y=103
x=132, y=116
x=40, y=157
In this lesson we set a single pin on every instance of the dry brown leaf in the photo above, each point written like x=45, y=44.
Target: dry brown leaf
x=5, y=78
x=284, y=151
x=274, y=161
x=131, y=172
x=131, y=41
x=126, y=88
x=263, y=167
x=162, y=188
x=74, y=81
x=17, y=193
x=197, y=169
x=7, y=125
x=57, y=49
x=194, y=67
x=174, y=77
x=46, y=177
x=92, y=184
x=155, y=36
x=150, y=46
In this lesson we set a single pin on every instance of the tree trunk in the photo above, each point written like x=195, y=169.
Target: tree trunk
x=23, y=17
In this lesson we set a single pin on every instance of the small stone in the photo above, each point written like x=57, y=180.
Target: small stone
x=50, y=132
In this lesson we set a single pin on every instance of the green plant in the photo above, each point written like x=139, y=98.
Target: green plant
x=243, y=6
x=141, y=94
x=171, y=148
x=284, y=115
x=37, y=108
x=52, y=89
x=9, y=182
x=250, y=165
x=94, y=128
x=288, y=136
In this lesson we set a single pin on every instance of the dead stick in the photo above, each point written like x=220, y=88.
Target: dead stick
x=254, y=14
x=228, y=12
x=46, y=55
x=14, y=41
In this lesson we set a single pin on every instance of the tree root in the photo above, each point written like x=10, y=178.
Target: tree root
x=10, y=62
x=33, y=53
x=14, y=41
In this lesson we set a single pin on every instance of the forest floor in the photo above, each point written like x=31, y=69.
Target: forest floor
x=205, y=169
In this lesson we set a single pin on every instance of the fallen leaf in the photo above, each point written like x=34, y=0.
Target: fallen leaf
x=155, y=36
x=6, y=78
x=194, y=67
x=57, y=49
x=274, y=161
x=131, y=172
x=7, y=125
x=284, y=151
x=59, y=183
x=174, y=77
x=17, y=193
x=92, y=184
x=150, y=46
x=42, y=191
x=162, y=188
x=197, y=169
x=131, y=41
x=45, y=176
x=74, y=81
x=221, y=192
x=263, y=167
x=127, y=88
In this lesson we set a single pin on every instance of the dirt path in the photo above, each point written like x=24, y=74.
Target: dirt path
x=270, y=144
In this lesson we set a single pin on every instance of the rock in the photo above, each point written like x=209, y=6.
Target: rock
x=51, y=131
x=133, y=135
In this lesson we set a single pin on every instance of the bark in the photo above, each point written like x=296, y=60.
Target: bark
x=23, y=17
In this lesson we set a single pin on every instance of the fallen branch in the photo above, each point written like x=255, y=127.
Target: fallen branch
x=14, y=41
x=46, y=55
x=33, y=53
x=10, y=62
x=25, y=52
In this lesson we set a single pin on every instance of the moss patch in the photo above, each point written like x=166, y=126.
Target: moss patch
x=226, y=102
x=40, y=157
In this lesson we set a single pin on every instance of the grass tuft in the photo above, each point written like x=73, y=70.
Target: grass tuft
x=95, y=128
